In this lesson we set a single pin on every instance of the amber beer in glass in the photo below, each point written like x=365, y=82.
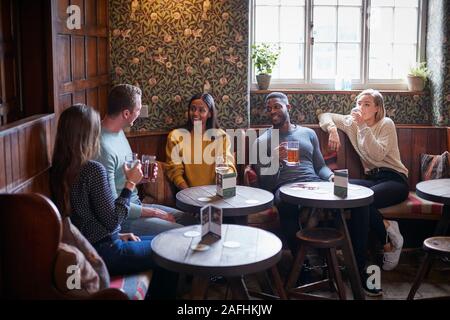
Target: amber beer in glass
x=293, y=157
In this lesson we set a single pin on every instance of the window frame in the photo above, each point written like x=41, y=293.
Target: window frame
x=307, y=82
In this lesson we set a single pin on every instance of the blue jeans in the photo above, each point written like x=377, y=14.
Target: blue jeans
x=154, y=226
x=129, y=257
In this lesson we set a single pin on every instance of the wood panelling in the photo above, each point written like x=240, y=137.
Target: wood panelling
x=25, y=150
x=413, y=141
x=9, y=110
x=82, y=55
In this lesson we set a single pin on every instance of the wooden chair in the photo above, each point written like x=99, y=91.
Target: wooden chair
x=434, y=247
x=30, y=231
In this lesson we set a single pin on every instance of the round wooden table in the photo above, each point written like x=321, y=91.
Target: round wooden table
x=252, y=250
x=248, y=200
x=321, y=195
x=437, y=190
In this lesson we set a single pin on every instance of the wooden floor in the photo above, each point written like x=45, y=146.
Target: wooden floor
x=395, y=284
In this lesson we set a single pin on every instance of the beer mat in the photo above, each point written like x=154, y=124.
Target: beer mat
x=191, y=234
x=231, y=244
x=204, y=199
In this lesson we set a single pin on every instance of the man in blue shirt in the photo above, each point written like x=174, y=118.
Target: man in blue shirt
x=311, y=168
x=124, y=107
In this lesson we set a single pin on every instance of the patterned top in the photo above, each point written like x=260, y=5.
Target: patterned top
x=94, y=211
x=377, y=145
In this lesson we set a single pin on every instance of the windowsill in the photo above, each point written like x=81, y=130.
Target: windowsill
x=328, y=91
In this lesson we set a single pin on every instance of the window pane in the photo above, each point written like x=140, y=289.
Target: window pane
x=325, y=24
x=404, y=58
x=325, y=2
x=293, y=2
x=407, y=3
x=324, y=61
x=393, y=38
x=292, y=21
x=380, y=61
x=266, y=24
x=291, y=62
x=381, y=25
x=349, y=21
x=382, y=3
x=268, y=2
x=350, y=2
x=349, y=62
x=405, y=21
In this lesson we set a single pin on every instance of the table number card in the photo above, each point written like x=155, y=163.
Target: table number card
x=341, y=183
x=226, y=184
x=211, y=218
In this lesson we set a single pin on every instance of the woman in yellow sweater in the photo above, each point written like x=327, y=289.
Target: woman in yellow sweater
x=192, y=150
x=374, y=137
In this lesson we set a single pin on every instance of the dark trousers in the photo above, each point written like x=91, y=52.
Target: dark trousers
x=128, y=257
x=358, y=227
x=389, y=189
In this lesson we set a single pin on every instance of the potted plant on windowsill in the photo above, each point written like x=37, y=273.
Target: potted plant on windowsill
x=264, y=57
x=417, y=77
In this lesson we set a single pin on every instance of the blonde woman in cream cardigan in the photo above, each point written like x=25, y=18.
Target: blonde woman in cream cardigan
x=374, y=138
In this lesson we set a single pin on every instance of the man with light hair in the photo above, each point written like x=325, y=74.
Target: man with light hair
x=124, y=107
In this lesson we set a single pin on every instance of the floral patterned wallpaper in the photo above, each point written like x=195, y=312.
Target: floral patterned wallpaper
x=438, y=58
x=173, y=49
x=406, y=108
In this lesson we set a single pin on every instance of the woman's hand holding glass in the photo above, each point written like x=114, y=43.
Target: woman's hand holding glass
x=348, y=119
x=134, y=174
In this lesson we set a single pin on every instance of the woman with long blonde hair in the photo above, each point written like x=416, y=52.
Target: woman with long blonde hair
x=374, y=137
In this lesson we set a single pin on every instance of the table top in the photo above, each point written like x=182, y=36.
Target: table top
x=257, y=250
x=247, y=200
x=437, y=190
x=321, y=195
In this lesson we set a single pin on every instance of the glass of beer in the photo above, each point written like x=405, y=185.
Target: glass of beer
x=148, y=167
x=293, y=157
x=221, y=165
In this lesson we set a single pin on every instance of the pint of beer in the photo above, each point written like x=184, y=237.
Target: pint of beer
x=293, y=158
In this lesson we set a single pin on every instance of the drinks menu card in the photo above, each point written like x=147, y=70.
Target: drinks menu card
x=211, y=220
x=341, y=183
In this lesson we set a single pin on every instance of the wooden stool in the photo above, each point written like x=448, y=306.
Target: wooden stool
x=434, y=246
x=324, y=239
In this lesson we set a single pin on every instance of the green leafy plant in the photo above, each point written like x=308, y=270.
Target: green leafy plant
x=265, y=57
x=420, y=71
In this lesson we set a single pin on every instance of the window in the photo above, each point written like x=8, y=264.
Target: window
x=372, y=42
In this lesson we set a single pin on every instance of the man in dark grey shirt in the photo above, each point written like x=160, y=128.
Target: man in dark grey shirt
x=311, y=168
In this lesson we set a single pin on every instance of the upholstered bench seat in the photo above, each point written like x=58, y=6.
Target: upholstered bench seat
x=414, y=208
x=134, y=286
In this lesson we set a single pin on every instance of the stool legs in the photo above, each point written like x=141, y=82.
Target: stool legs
x=333, y=268
x=296, y=267
x=423, y=271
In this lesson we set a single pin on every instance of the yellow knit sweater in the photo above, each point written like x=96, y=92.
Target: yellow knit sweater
x=191, y=159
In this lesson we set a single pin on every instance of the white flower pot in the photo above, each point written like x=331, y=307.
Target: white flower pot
x=415, y=83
